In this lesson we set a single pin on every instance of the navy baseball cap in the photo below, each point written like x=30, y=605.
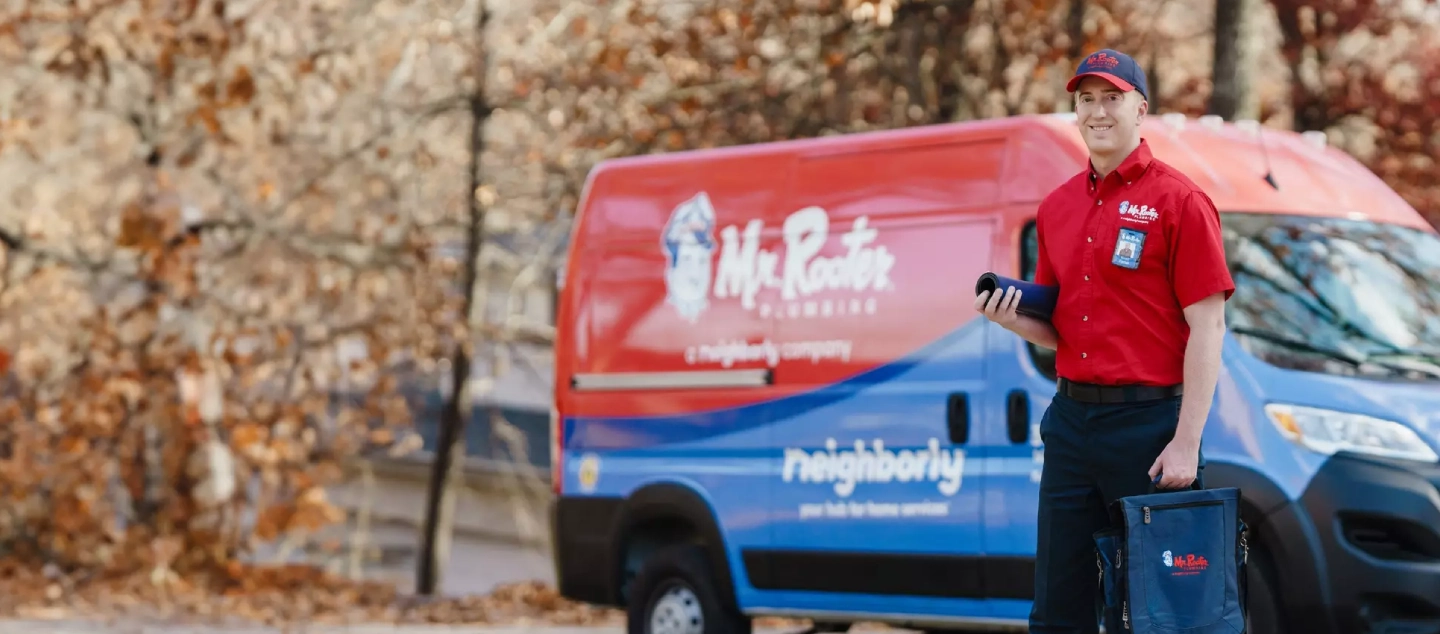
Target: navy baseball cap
x=1115, y=67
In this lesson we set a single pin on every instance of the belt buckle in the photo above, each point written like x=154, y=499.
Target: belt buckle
x=1113, y=395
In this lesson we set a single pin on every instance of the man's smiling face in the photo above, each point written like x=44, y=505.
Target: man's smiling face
x=1109, y=119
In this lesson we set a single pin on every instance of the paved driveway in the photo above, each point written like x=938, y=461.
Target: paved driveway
x=80, y=627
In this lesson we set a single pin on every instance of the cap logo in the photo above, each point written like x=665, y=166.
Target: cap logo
x=1103, y=60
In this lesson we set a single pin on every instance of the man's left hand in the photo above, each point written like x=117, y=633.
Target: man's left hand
x=1177, y=463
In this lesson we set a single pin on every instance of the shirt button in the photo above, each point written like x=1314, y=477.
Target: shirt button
x=1085, y=318
x=1084, y=355
x=1089, y=239
x=1099, y=202
x=1087, y=278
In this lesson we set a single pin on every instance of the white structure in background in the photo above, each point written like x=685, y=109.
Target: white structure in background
x=512, y=373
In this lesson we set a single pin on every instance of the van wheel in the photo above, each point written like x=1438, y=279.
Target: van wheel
x=1264, y=609
x=676, y=593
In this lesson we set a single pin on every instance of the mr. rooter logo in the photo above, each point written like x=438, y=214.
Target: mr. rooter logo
x=1103, y=60
x=796, y=269
x=1189, y=564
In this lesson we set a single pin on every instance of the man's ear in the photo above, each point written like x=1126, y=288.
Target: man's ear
x=1144, y=109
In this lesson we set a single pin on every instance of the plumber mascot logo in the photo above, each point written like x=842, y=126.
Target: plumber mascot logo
x=688, y=242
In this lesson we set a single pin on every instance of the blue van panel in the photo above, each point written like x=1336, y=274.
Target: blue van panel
x=965, y=506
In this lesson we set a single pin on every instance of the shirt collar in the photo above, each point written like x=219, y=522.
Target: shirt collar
x=1131, y=168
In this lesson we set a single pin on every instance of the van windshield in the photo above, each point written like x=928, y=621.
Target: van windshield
x=1336, y=296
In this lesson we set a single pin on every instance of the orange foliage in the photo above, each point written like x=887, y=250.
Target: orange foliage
x=1382, y=98
x=205, y=286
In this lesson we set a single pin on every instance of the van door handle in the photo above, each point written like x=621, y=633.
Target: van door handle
x=957, y=417
x=1018, y=416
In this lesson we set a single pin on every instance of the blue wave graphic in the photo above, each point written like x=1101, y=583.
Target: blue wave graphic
x=940, y=360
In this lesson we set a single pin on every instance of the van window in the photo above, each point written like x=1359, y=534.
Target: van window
x=1044, y=358
x=1335, y=296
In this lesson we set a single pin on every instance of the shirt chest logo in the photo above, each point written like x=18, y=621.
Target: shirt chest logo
x=1142, y=214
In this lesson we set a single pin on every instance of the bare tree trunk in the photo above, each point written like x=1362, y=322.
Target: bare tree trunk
x=1152, y=78
x=1075, y=28
x=910, y=29
x=457, y=405
x=1233, y=70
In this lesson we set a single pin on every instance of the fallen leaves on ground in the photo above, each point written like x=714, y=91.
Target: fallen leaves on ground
x=276, y=596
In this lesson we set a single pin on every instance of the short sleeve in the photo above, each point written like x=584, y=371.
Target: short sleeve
x=1044, y=273
x=1198, y=268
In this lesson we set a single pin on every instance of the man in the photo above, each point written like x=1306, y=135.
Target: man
x=1135, y=249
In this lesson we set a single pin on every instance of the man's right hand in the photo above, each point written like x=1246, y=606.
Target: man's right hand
x=1000, y=307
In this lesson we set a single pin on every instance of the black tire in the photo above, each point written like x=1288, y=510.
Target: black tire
x=685, y=570
x=1265, y=614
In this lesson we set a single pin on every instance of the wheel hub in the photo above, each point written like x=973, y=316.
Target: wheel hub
x=677, y=612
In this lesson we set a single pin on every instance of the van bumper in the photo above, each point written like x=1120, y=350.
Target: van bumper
x=583, y=549
x=1377, y=523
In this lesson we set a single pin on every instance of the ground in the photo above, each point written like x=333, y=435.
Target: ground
x=477, y=564
x=81, y=627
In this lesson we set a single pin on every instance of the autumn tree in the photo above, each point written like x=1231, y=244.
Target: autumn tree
x=662, y=77
x=1368, y=73
x=222, y=258
x=440, y=496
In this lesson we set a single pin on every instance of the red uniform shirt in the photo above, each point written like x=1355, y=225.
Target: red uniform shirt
x=1129, y=253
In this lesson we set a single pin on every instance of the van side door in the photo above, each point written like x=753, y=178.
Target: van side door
x=878, y=503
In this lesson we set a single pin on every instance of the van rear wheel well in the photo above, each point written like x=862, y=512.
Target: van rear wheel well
x=662, y=515
x=647, y=537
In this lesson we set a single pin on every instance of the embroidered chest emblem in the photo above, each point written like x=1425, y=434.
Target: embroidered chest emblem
x=1142, y=214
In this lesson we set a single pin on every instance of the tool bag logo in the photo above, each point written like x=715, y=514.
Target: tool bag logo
x=1174, y=561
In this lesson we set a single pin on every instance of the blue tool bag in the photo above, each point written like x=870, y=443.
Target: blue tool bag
x=1174, y=561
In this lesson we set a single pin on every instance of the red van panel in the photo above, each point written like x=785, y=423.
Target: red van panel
x=650, y=290
x=896, y=250
x=816, y=264
x=818, y=259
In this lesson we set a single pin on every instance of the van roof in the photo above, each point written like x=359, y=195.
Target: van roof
x=1229, y=159
x=1226, y=159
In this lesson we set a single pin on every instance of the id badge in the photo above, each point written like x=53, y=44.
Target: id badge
x=1128, y=248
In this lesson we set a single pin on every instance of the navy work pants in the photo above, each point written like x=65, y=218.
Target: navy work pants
x=1094, y=454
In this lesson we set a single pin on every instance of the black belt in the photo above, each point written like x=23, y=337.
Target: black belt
x=1092, y=393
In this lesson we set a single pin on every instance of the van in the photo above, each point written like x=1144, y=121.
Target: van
x=773, y=396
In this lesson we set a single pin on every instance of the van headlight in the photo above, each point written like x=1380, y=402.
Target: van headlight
x=1328, y=431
